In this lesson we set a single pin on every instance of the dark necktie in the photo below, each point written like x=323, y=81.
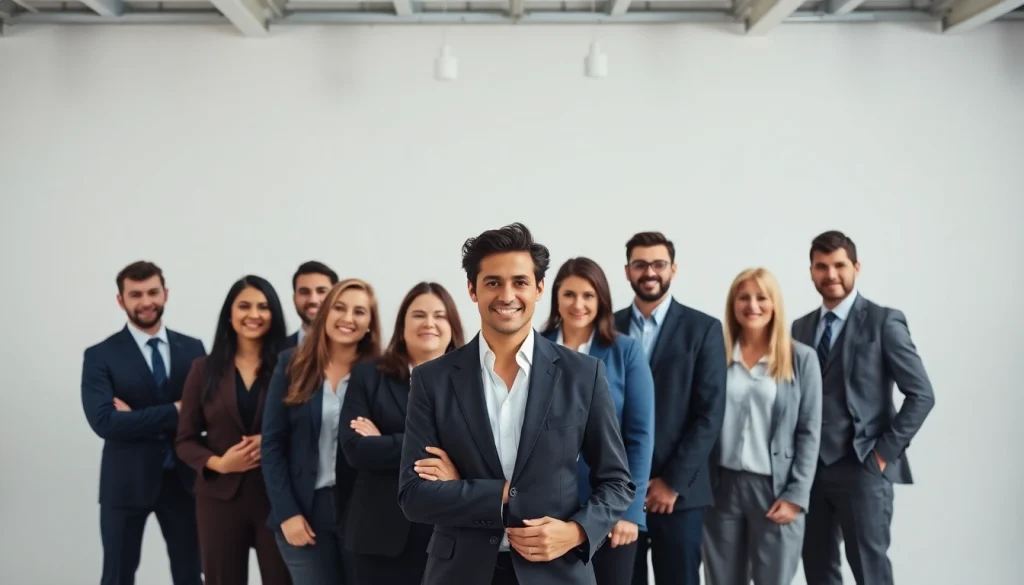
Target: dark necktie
x=160, y=377
x=825, y=343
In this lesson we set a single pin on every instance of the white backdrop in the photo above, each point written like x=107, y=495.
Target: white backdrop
x=215, y=156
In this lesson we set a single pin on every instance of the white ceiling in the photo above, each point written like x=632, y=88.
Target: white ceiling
x=259, y=17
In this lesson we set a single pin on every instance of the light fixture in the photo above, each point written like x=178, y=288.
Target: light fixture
x=446, y=67
x=595, y=64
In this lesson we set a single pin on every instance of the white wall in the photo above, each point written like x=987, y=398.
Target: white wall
x=216, y=155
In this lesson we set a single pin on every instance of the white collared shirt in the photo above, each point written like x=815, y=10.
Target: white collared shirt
x=506, y=409
x=142, y=340
x=584, y=347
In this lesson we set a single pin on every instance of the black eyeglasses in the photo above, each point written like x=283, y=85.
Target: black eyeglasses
x=643, y=265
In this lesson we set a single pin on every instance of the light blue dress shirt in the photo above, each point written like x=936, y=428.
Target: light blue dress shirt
x=330, y=420
x=842, y=311
x=646, y=330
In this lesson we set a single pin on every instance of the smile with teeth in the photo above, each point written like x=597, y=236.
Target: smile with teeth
x=346, y=329
x=253, y=324
x=506, y=311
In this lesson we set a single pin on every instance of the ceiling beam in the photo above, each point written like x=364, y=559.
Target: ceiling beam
x=842, y=6
x=403, y=7
x=966, y=15
x=765, y=15
x=249, y=16
x=618, y=7
x=108, y=8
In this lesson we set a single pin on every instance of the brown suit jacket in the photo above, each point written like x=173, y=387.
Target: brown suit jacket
x=220, y=418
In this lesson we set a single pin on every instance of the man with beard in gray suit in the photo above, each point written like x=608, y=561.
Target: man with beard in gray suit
x=863, y=348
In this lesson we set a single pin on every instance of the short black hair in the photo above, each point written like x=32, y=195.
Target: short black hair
x=514, y=237
x=832, y=240
x=649, y=240
x=314, y=267
x=141, y=270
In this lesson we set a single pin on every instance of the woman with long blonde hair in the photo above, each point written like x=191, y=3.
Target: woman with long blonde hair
x=308, y=480
x=766, y=457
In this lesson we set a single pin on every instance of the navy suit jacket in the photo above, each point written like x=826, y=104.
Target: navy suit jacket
x=290, y=451
x=632, y=389
x=135, y=443
x=688, y=363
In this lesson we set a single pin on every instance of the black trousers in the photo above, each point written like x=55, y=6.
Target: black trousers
x=675, y=544
x=615, y=566
x=504, y=572
x=850, y=501
x=121, y=533
x=405, y=569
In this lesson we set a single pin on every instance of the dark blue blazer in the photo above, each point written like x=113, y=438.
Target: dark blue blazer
x=632, y=388
x=135, y=443
x=688, y=364
x=290, y=451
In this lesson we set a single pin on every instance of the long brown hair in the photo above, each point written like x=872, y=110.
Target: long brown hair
x=395, y=361
x=587, y=269
x=780, y=344
x=311, y=357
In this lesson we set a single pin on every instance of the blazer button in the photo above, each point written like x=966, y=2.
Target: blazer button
x=490, y=522
x=512, y=492
x=494, y=540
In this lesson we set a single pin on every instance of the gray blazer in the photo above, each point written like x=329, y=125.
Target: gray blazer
x=796, y=430
x=878, y=352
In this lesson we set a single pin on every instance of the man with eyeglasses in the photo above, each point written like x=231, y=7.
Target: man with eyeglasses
x=686, y=351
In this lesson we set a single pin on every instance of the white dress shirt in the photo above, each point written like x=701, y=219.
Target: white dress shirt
x=747, y=425
x=142, y=340
x=506, y=408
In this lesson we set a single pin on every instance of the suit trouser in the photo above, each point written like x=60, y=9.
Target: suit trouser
x=740, y=543
x=674, y=541
x=121, y=532
x=851, y=501
x=229, y=528
x=322, y=563
x=615, y=566
x=406, y=568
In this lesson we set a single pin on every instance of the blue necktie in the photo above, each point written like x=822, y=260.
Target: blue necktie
x=825, y=343
x=160, y=377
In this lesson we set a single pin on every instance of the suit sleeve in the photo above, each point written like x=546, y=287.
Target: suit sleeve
x=612, y=489
x=469, y=503
x=274, y=445
x=189, y=443
x=907, y=369
x=707, y=409
x=108, y=422
x=638, y=427
x=808, y=432
x=381, y=453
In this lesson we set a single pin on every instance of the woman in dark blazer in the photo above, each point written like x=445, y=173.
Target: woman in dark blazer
x=766, y=457
x=582, y=319
x=223, y=396
x=308, y=480
x=387, y=548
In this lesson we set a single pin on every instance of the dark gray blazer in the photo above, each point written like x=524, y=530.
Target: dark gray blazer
x=878, y=352
x=796, y=430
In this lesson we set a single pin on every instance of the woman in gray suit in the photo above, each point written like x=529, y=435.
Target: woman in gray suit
x=764, y=462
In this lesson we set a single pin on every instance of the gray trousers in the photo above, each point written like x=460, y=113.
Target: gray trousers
x=740, y=544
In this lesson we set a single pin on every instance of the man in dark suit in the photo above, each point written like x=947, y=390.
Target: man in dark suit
x=310, y=284
x=499, y=483
x=131, y=394
x=686, y=350
x=863, y=349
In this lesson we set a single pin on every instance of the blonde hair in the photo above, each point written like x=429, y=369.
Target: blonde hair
x=780, y=344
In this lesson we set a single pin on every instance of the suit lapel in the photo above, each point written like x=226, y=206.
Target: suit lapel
x=543, y=383
x=469, y=392
x=229, y=394
x=316, y=410
x=808, y=325
x=136, y=360
x=400, y=392
x=784, y=397
x=672, y=321
x=599, y=351
x=622, y=320
x=850, y=332
x=180, y=365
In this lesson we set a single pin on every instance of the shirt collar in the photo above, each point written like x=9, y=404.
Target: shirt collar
x=842, y=310
x=584, y=347
x=524, y=356
x=658, y=314
x=737, y=355
x=142, y=338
